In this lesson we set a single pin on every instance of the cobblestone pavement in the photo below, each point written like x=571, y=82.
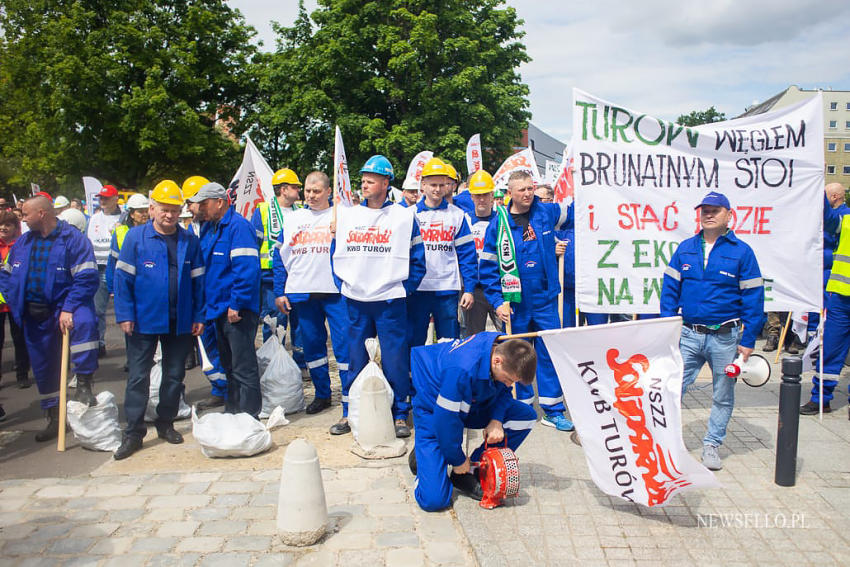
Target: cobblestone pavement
x=156, y=509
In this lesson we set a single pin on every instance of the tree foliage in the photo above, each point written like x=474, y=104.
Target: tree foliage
x=697, y=117
x=397, y=77
x=127, y=91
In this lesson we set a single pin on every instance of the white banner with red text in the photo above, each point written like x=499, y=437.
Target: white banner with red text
x=252, y=184
x=623, y=385
x=639, y=177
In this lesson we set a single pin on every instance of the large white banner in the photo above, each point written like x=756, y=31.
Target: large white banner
x=638, y=179
x=92, y=187
x=253, y=185
x=474, y=160
x=521, y=161
x=623, y=385
x=342, y=183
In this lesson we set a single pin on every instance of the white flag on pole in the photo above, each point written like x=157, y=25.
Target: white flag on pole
x=414, y=170
x=564, y=187
x=473, y=154
x=800, y=324
x=341, y=180
x=520, y=161
x=623, y=385
x=92, y=187
x=253, y=185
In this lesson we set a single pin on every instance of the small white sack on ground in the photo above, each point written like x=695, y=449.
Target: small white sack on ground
x=268, y=349
x=371, y=369
x=280, y=379
x=96, y=427
x=183, y=409
x=234, y=434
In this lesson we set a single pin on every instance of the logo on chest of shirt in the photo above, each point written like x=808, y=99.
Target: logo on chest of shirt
x=320, y=235
x=686, y=267
x=370, y=235
x=727, y=274
x=149, y=264
x=530, y=264
x=436, y=231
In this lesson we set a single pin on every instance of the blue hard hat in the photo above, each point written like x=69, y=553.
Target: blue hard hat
x=380, y=165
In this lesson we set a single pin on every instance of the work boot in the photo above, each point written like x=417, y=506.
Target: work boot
x=52, y=429
x=101, y=351
x=84, y=393
x=467, y=484
x=411, y=462
x=2, y=413
x=210, y=403
x=24, y=382
x=318, y=404
x=129, y=445
x=402, y=431
x=771, y=344
x=811, y=408
x=341, y=427
x=168, y=433
x=792, y=347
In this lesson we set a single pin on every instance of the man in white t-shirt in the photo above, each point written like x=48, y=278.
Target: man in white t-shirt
x=303, y=278
x=100, y=229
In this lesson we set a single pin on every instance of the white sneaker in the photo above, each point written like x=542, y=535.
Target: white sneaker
x=711, y=458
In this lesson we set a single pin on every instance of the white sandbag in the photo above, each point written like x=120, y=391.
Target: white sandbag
x=269, y=348
x=96, y=427
x=183, y=409
x=234, y=434
x=371, y=369
x=280, y=383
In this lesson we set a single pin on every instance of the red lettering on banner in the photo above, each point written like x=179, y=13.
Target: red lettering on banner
x=638, y=216
x=661, y=477
x=745, y=220
x=371, y=235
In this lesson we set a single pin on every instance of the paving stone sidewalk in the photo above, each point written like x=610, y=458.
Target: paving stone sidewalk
x=216, y=515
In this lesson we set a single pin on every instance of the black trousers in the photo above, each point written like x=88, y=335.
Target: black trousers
x=22, y=358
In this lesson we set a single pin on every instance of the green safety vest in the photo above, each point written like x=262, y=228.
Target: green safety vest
x=120, y=232
x=265, y=256
x=839, y=278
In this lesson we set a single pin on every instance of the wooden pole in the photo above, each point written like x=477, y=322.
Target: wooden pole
x=63, y=389
x=561, y=294
x=782, y=338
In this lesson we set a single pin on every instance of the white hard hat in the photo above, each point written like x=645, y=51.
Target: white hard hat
x=186, y=213
x=75, y=218
x=61, y=202
x=137, y=201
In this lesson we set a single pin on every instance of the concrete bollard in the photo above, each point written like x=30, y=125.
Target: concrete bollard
x=302, y=513
x=376, y=419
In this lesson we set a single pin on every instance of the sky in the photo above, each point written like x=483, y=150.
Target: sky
x=660, y=57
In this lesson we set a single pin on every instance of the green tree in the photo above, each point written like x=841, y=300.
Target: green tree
x=129, y=91
x=698, y=117
x=397, y=77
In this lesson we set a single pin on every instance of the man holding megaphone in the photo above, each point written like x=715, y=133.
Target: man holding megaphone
x=715, y=280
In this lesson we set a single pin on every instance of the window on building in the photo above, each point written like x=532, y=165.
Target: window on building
x=831, y=146
x=847, y=124
x=833, y=124
x=847, y=147
x=830, y=170
x=848, y=106
x=846, y=170
x=833, y=106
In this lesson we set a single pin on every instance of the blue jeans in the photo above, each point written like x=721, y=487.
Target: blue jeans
x=101, y=301
x=238, y=357
x=140, y=352
x=718, y=350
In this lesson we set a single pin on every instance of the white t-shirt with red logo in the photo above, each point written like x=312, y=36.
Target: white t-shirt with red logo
x=441, y=230
x=306, y=251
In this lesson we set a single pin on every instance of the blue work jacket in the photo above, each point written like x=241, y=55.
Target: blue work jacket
x=232, y=259
x=729, y=287
x=545, y=219
x=141, y=281
x=72, y=278
x=452, y=381
x=568, y=236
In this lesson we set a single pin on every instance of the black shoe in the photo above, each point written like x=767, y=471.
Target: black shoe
x=24, y=383
x=52, y=429
x=411, y=462
x=318, y=405
x=792, y=348
x=771, y=344
x=129, y=445
x=101, y=351
x=2, y=414
x=468, y=485
x=170, y=434
x=811, y=408
x=83, y=392
x=209, y=403
x=341, y=427
x=191, y=360
x=402, y=431
x=126, y=368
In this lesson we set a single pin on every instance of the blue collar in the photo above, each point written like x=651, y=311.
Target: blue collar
x=421, y=206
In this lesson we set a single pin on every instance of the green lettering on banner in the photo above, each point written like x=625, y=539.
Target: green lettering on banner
x=625, y=294
x=611, y=244
x=606, y=290
x=621, y=127
x=768, y=290
x=584, y=108
x=639, y=253
x=651, y=286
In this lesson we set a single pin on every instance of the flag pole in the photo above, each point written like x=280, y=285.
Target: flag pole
x=782, y=338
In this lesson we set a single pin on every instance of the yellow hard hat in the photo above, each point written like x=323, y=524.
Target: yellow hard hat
x=434, y=166
x=285, y=176
x=167, y=192
x=452, y=172
x=192, y=185
x=481, y=182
